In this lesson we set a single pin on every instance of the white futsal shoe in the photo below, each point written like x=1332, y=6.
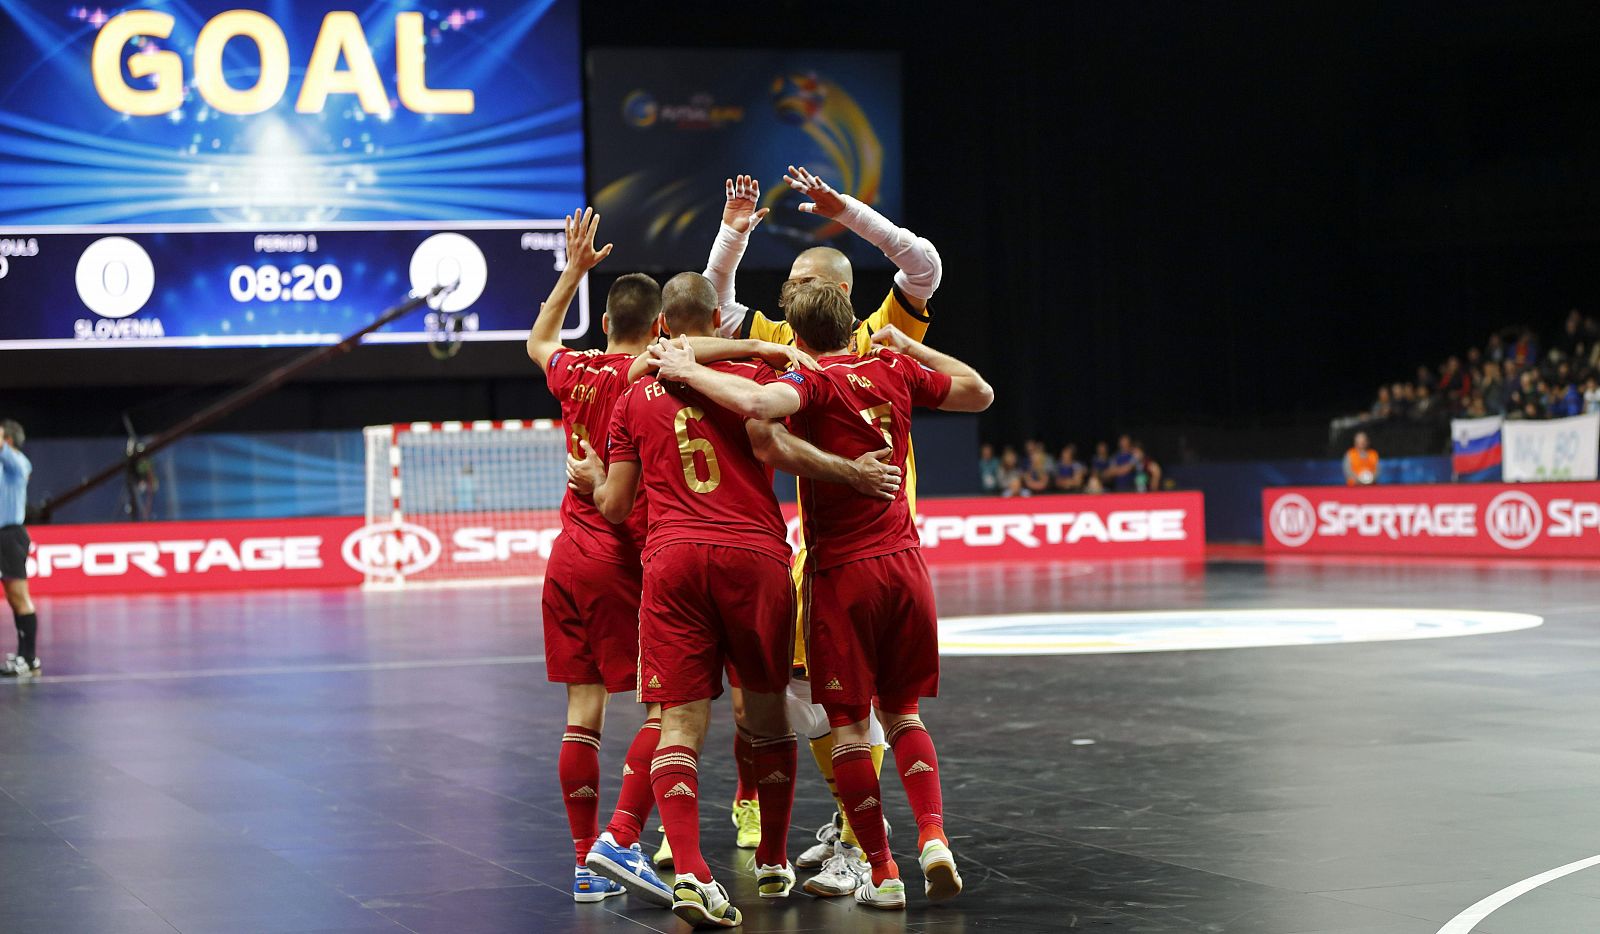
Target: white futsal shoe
x=844, y=872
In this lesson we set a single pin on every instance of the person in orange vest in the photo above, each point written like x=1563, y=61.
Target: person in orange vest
x=1361, y=463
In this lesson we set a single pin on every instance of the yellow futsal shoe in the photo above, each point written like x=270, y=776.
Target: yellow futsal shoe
x=663, y=857
x=747, y=818
x=703, y=904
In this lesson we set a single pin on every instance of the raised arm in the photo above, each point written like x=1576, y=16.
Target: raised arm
x=968, y=391
x=13, y=462
x=739, y=217
x=545, y=337
x=614, y=490
x=920, y=268
x=870, y=474
x=675, y=361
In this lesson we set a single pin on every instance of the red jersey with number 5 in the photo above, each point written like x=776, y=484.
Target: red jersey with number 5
x=588, y=384
x=853, y=406
x=704, y=483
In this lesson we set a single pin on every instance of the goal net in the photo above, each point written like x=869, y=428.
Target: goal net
x=460, y=502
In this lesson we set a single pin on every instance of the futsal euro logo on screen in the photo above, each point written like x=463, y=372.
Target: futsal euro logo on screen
x=341, y=40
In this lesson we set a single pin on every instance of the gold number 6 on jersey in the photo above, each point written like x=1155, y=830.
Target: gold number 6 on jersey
x=686, y=448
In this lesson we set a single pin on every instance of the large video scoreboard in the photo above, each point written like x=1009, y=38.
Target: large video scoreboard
x=199, y=175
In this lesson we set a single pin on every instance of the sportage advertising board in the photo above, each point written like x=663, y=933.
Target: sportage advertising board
x=1547, y=520
x=162, y=557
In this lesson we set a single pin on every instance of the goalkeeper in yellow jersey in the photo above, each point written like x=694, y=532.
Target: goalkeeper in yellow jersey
x=837, y=854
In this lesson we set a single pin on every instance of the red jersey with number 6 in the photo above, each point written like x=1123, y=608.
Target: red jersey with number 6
x=853, y=406
x=588, y=384
x=704, y=483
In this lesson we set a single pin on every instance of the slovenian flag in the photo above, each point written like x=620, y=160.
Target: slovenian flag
x=1475, y=448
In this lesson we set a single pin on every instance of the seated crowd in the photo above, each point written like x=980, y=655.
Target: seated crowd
x=1128, y=469
x=1511, y=375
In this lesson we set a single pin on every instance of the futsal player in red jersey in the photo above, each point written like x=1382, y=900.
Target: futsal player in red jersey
x=591, y=592
x=716, y=587
x=873, y=625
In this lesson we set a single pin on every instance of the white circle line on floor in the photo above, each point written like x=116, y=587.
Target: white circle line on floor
x=1464, y=923
x=1190, y=630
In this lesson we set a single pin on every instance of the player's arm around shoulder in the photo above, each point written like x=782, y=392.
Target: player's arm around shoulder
x=872, y=474
x=968, y=391
x=674, y=361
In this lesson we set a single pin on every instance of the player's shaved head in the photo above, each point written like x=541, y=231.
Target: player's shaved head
x=825, y=263
x=689, y=304
x=632, y=305
x=821, y=316
x=12, y=431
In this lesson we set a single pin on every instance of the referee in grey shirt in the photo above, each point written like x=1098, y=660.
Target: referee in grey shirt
x=14, y=471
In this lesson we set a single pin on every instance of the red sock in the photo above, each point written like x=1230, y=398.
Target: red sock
x=636, y=798
x=774, y=762
x=579, y=771
x=744, y=761
x=675, y=777
x=918, y=766
x=858, y=788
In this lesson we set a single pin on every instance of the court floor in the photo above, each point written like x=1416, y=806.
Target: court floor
x=331, y=761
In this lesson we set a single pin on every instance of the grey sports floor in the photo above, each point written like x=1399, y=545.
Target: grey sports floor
x=337, y=761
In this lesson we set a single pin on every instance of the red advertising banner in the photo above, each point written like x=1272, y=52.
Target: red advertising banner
x=162, y=557
x=1542, y=520
x=1053, y=528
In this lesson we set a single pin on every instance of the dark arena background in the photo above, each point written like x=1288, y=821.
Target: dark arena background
x=1265, y=586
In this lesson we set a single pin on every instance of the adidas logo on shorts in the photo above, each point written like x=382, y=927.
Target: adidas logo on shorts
x=680, y=789
x=654, y=682
x=584, y=792
x=628, y=770
x=918, y=766
x=833, y=685
x=776, y=778
x=868, y=804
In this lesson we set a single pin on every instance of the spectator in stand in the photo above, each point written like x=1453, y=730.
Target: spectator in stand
x=1496, y=351
x=1384, y=407
x=1476, y=407
x=1361, y=462
x=1146, y=473
x=1526, y=401
x=1093, y=484
x=1494, y=390
x=1041, y=473
x=1454, y=383
x=988, y=469
x=1010, y=473
x=1573, y=342
x=1425, y=377
x=1070, y=472
x=1123, y=463
x=1526, y=350
x=1425, y=406
x=1591, y=395
x=1567, y=402
x=1474, y=359
x=1101, y=462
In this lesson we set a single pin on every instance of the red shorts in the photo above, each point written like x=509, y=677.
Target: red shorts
x=873, y=632
x=591, y=619
x=706, y=606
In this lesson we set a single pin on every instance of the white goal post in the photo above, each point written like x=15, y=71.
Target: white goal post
x=460, y=502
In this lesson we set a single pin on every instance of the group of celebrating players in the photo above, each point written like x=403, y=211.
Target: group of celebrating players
x=673, y=565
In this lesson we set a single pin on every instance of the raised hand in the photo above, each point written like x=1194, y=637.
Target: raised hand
x=586, y=473
x=785, y=356
x=893, y=338
x=581, y=231
x=672, y=359
x=875, y=476
x=824, y=200
x=740, y=212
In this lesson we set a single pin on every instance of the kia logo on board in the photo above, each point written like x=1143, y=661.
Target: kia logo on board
x=1292, y=520
x=391, y=549
x=1513, y=520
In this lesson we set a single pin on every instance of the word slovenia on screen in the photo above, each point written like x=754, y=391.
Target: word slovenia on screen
x=196, y=175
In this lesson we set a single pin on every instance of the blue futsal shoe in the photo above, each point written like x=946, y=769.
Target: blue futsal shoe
x=628, y=866
x=589, y=887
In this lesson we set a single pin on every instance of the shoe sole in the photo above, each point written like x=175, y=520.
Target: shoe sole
x=598, y=863
x=788, y=887
x=884, y=906
x=943, y=882
x=821, y=892
x=596, y=897
x=695, y=914
x=803, y=863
